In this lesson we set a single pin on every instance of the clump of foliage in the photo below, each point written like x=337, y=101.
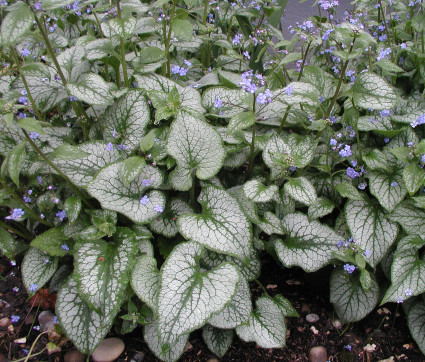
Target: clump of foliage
x=152, y=153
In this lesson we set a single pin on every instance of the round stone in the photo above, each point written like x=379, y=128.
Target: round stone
x=312, y=318
x=318, y=354
x=108, y=350
x=47, y=320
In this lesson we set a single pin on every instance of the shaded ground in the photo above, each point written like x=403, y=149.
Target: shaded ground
x=384, y=327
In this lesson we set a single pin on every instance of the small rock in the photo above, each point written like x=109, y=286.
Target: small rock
x=314, y=330
x=305, y=309
x=46, y=319
x=108, y=350
x=213, y=360
x=318, y=354
x=312, y=318
x=4, y=322
x=74, y=356
x=4, y=304
x=370, y=347
x=337, y=324
x=137, y=357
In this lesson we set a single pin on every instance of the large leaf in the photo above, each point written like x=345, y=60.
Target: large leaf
x=217, y=340
x=92, y=90
x=51, y=242
x=9, y=246
x=172, y=353
x=416, y=323
x=350, y=301
x=411, y=218
x=257, y=192
x=102, y=270
x=222, y=226
x=145, y=280
x=187, y=296
x=301, y=190
x=370, y=91
x=414, y=178
x=16, y=24
x=266, y=325
x=237, y=311
x=371, y=230
x=82, y=170
x=129, y=200
x=197, y=148
x=37, y=269
x=309, y=244
x=407, y=271
x=15, y=162
x=129, y=117
x=82, y=325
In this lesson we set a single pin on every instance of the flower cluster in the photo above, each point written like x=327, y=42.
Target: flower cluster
x=420, y=120
x=250, y=82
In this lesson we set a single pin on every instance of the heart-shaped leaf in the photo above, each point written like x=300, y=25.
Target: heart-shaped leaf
x=301, y=190
x=257, y=192
x=416, y=322
x=217, y=340
x=16, y=24
x=145, y=280
x=411, y=218
x=51, y=242
x=92, y=89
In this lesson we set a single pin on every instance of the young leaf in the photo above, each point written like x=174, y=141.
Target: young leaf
x=347, y=190
x=240, y=121
x=72, y=207
x=285, y=306
x=131, y=168
x=69, y=152
x=9, y=246
x=151, y=55
x=301, y=190
x=266, y=325
x=102, y=270
x=371, y=230
x=145, y=280
x=414, y=177
x=197, y=147
x=30, y=125
x=257, y=192
x=16, y=24
x=128, y=117
x=82, y=325
x=320, y=208
x=37, y=268
x=416, y=323
x=92, y=89
x=309, y=244
x=350, y=301
x=222, y=226
x=51, y=242
x=182, y=29
x=129, y=200
x=217, y=340
x=15, y=162
x=171, y=354
x=370, y=91
x=209, y=291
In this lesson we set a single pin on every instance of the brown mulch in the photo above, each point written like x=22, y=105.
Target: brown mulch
x=385, y=328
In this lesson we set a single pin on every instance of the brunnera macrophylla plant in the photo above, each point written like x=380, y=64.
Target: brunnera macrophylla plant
x=153, y=153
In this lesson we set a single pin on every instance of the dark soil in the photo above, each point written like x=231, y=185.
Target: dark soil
x=385, y=327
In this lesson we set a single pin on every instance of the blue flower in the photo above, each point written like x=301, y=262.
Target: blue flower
x=333, y=142
x=394, y=183
x=246, y=54
x=26, y=198
x=158, y=208
x=289, y=89
x=121, y=147
x=114, y=133
x=349, y=268
x=400, y=300
x=61, y=215
x=65, y=247
x=25, y=52
x=352, y=173
x=341, y=244
x=347, y=347
x=16, y=214
x=408, y=292
x=367, y=253
x=146, y=182
x=346, y=152
x=175, y=69
x=33, y=287
x=186, y=62
x=144, y=200
x=33, y=135
x=109, y=146
x=15, y=289
x=73, y=99
x=37, y=6
x=15, y=318
x=218, y=103
x=182, y=72
x=261, y=98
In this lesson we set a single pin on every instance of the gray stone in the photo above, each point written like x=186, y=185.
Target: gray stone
x=108, y=350
x=318, y=354
x=74, y=356
x=312, y=318
x=137, y=357
x=46, y=319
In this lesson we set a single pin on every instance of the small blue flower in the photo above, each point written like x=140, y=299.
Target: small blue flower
x=109, y=146
x=289, y=89
x=37, y=6
x=175, y=69
x=121, y=147
x=367, y=253
x=352, y=173
x=394, y=183
x=15, y=318
x=33, y=287
x=218, y=103
x=144, y=200
x=65, y=247
x=346, y=152
x=37, y=328
x=349, y=268
x=61, y=215
x=347, y=347
x=26, y=198
x=400, y=300
x=33, y=135
x=114, y=133
x=146, y=182
x=333, y=142
x=25, y=52
x=158, y=208
x=16, y=214
x=15, y=289
x=341, y=244
x=187, y=63
x=408, y=292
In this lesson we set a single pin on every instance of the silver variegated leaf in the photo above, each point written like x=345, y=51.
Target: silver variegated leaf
x=416, y=323
x=82, y=170
x=257, y=192
x=411, y=218
x=102, y=270
x=129, y=117
x=145, y=280
x=197, y=147
x=16, y=24
x=222, y=226
x=231, y=100
x=166, y=223
x=266, y=325
x=371, y=230
x=389, y=189
x=237, y=311
x=301, y=190
x=300, y=92
x=37, y=269
x=189, y=297
x=82, y=325
x=217, y=340
x=320, y=208
x=72, y=63
x=350, y=301
x=130, y=200
x=270, y=224
x=309, y=244
x=370, y=91
x=173, y=353
x=92, y=89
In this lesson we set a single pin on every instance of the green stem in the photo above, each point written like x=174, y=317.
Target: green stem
x=304, y=60
x=122, y=50
x=15, y=231
x=229, y=28
x=32, y=347
x=262, y=287
x=204, y=17
x=192, y=190
x=252, y=147
x=18, y=65
x=57, y=169
x=284, y=119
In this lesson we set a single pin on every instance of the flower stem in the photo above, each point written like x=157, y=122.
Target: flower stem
x=15, y=231
x=252, y=147
x=122, y=50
